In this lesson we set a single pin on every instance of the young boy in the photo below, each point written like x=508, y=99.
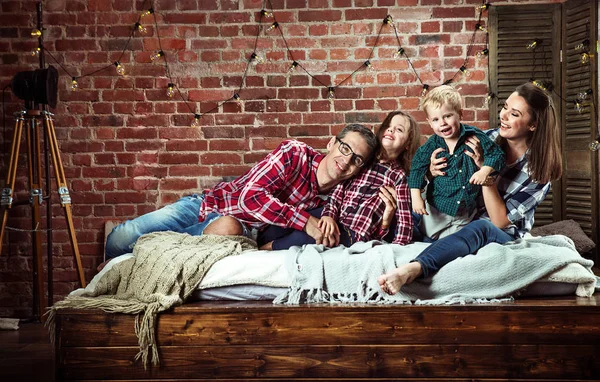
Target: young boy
x=452, y=198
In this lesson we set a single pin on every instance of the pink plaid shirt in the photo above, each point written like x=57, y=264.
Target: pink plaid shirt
x=278, y=190
x=356, y=203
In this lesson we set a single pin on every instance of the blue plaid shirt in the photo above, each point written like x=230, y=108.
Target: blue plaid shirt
x=521, y=194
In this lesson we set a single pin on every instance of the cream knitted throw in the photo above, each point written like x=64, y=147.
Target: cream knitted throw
x=165, y=269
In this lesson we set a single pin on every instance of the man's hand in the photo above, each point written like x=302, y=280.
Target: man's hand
x=437, y=165
x=331, y=232
x=312, y=229
x=389, y=197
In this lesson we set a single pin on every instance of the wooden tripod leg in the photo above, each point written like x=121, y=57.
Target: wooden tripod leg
x=63, y=193
x=35, y=196
x=8, y=190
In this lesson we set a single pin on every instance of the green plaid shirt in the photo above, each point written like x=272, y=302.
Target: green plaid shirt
x=453, y=191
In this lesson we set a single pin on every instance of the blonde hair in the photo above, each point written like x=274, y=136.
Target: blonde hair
x=413, y=140
x=441, y=95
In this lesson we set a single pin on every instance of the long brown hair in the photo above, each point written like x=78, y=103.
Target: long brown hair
x=544, y=158
x=412, y=142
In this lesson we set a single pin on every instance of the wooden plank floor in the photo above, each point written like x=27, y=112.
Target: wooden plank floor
x=26, y=354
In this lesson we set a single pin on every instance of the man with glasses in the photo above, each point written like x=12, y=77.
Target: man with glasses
x=279, y=190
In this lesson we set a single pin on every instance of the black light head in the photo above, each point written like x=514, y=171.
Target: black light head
x=39, y=86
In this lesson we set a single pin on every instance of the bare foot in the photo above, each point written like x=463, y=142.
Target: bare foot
x=103, y=265
x=267, y=247
x=391, y=282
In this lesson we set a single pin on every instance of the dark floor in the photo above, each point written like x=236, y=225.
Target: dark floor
x=26, y=354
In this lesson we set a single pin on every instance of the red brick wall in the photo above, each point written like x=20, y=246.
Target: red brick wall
x=128, y=149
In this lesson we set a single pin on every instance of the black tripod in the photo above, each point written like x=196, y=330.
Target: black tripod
x=34, y=120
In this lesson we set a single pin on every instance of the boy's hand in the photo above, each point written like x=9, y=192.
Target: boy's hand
x=419, y=207
x=478, y=177
x=331, y=232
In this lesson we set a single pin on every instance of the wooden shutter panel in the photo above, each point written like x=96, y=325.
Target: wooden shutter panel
x=512, y=28
x=580, y=177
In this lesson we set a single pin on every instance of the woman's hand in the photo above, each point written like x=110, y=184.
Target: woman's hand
x=477, y=154
x=331, y=232
x=389, y=197
x=437, y=165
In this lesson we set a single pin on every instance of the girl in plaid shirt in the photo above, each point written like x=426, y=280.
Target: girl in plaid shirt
x=529, y=134
x=364, y=207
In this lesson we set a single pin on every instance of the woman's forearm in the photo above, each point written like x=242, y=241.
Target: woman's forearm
x=494, y=204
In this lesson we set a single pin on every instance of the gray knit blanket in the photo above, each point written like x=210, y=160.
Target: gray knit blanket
x=165, y=269
x=495, y=273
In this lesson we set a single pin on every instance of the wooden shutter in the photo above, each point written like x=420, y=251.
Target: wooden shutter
x=512, y=28
x=580, y=178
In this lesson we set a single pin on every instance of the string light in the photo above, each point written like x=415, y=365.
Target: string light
x=533, y=44
x=584, y=95
x=424, y=91
x=170, y=90
x=157, y=55
x=273, y=26
x=483, y=7
x=36, y=33
x=584, y=58
x=488, y=99
x=369, y=66
x=465, y=71
x=388, y=19
x=331, y=94
x=399, y=53
x=36, y=51
x=140, y=28
x=584, y=45
x=481, y=28
x=74, y=84
x=148, y=12
x=237, y=98
x=266, y=14
x=196, y=121
x=120, y=68
x=595, y=145
x=579, y=106
x=256, y=59
x=482, y=53
x=293, y=66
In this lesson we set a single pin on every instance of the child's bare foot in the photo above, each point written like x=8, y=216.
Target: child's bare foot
x=103, y=265
x=391, y=282
x=267, y=247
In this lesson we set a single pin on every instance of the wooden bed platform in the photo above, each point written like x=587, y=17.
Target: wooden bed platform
x=529, y=339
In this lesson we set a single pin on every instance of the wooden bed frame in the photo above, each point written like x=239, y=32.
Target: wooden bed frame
x=528, y=339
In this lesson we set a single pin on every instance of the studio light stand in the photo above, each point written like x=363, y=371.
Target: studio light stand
x=38, y=89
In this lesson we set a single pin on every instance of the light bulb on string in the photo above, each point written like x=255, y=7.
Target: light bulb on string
x=256, y=59
x=266, y=14
x=488, y=99
x=120, y=68
x=292, y=67
x=157, y=55
x=36, y=52
x=483, y=7
x=148, y=12
x=74, y=84
x=331, y=94
x=424, y=91
x=465, y=71
x=399, y=52
x=595, y=145
x=579, y=106
x=481, y=28
x=388, y=20
x=273, y=26
x=482, y=53
x=584, y=95
x=584, y=58
x=369, y=66
x=36, y=33
x=584, y=45
x=237, y=98
x=140, y=28
x=539, y=84
x=196, y=121
x=533, y=44
x=170, y=90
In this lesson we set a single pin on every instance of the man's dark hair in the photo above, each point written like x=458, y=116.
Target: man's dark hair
x=367, y=134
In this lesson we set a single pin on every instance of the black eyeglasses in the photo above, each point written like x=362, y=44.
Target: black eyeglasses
x=346, y=150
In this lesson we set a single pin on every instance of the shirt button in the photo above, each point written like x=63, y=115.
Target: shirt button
x=458, y=202
x=464, y=187
x=459, y=170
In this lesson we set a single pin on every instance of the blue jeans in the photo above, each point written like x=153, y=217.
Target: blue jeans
x=468, y=240
x=284, y=238
x=181, y=216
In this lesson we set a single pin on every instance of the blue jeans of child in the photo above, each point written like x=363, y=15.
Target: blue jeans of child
x=468, y=240
x=181, y=216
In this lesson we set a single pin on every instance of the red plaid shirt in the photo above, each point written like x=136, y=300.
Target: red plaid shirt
x=356, y=203
x=277, y=190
